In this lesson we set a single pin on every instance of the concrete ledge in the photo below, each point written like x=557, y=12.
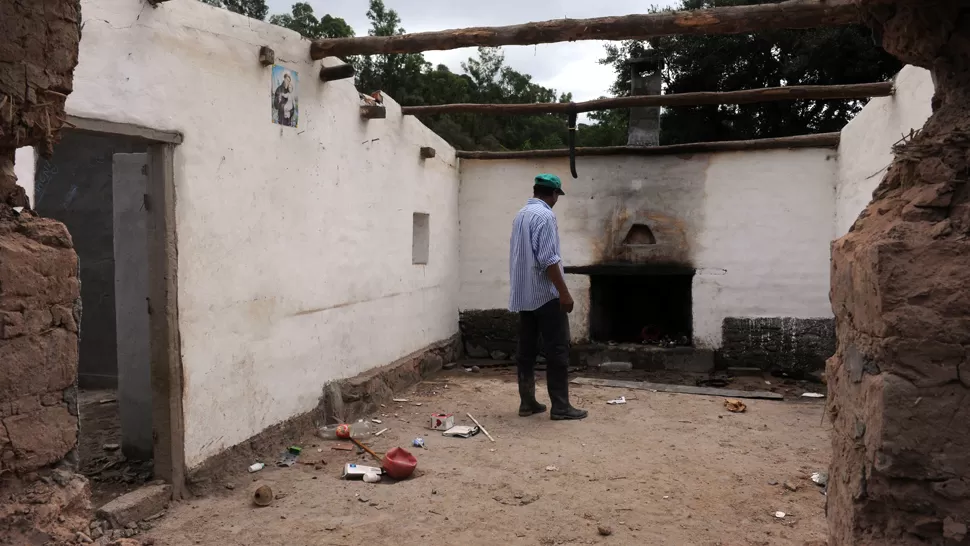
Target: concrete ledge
x=342, y=401
x=643, y=357
x=136, y=506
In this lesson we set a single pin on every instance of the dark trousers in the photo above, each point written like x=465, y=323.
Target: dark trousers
x=552, y=324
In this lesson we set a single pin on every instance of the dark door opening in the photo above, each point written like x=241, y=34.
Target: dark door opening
x=647, y=309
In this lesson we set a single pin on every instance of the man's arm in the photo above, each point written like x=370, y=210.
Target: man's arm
x=554, y=272
x=544, y=249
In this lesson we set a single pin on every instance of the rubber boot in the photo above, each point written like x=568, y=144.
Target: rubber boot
x=528, y=405
x=558, y=379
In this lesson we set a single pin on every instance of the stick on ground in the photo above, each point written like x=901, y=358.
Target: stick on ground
x=479, y=425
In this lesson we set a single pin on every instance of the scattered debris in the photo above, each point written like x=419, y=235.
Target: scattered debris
x=461, y=431
x=230, y=486
x=357, y=472
x=442, y=421
x=813, y=395
x=263, y=496
x=735, y=406
x=377, y=421
x=551, y=468
x=109, y=400
x=111, y=447
x=417, y=404
x=401, y=400
x=418, y=442
x=820, y=478
x=772, y=482
x=382, y=431
x=605, y=530
x=256, y=467
x=290, y=456
x=342, y=447
x=780, y=515
x=790, y=486
x=516, y=499
x=475, y=369
x=480, y=426
x=619, y=401
x=372, y=477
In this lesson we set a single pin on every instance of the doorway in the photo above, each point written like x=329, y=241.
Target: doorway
x=112, y=186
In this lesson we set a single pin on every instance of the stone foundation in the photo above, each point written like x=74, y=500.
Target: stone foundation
x=490, y=333
x=343, y=401
x=795, y=346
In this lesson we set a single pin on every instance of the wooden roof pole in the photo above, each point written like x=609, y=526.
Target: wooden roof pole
x=821, y=140
x=747, y=96
x=728, y=20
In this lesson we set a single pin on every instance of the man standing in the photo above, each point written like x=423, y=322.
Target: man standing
x=540, y=297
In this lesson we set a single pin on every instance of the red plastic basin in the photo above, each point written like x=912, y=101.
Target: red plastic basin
x=399, y=464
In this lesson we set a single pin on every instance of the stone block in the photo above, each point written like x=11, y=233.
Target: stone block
x=42, y=437
x=38, y=364
x=12, y=324
x=136, y=506
x=431, y=364
x=64, y=316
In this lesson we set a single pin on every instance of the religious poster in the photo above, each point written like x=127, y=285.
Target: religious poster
x=286, y=103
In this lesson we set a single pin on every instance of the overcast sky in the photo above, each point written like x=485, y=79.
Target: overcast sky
x=566, y=67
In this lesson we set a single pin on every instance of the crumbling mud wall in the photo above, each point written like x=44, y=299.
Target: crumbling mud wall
x=900, y=380
x=43, y=500
x=39, y=318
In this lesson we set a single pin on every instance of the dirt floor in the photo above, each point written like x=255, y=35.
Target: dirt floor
x=110, y=473
x=662, y=469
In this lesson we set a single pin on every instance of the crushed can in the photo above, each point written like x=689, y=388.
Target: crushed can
x=418, y=442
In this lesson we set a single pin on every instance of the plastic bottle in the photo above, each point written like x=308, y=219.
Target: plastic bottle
x=357, y=430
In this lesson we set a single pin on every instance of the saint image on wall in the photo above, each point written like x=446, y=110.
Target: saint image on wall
x=286, y=107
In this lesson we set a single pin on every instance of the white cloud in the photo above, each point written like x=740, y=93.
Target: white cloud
x=566, y=67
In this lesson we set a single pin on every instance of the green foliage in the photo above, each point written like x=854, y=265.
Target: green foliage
x=825, y=56
x=255, y=9
x=302, y=20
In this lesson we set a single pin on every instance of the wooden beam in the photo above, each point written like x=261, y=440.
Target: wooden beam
x=747, y=96
x=793, y=14
x=823, y=140
x=125, y=129
x=339, y=72
x=676, y=389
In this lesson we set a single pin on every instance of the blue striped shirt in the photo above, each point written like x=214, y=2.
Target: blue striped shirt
x=533, y=248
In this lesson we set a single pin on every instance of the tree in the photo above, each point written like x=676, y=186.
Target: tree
x=255, y=9
x=726, y=63
x=302, y=19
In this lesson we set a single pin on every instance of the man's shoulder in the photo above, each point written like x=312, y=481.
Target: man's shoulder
x=534, y=210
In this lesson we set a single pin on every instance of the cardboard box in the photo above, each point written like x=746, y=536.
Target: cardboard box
x=442, y=422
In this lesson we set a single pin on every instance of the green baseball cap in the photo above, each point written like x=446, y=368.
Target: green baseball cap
x=550, y=181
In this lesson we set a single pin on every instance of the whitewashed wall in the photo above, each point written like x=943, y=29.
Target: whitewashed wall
x=757, y=227
x=24, y=164
x=294, y=245
x=867, y=141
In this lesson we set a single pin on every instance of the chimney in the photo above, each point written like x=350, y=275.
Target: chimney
x=647, y=79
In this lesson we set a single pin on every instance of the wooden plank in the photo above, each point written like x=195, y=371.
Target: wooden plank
x=676, y=389
x=167, y=389
x=793, y=14
x=746, y=96
x=823, y=140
